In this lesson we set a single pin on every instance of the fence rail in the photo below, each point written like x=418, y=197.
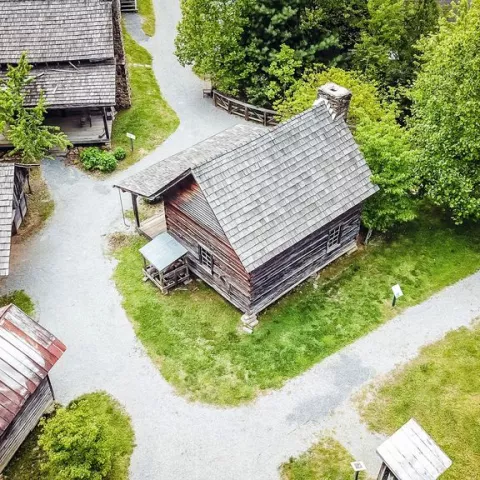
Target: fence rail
x=245, y=110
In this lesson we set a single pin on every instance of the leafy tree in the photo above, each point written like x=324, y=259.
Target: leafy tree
x=238, y=44
x=22, y=125
x=385, y=144
x=387, y=50
x=446, y=112
x=85, y=440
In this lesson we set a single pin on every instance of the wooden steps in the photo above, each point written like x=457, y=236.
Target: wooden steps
x=128, y=5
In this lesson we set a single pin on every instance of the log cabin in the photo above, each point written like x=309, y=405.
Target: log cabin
x=13, y=207
x=27, y=354
x=258, y=211
x=78, y=59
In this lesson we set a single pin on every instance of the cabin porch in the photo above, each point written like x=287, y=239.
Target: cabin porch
x=92, y=128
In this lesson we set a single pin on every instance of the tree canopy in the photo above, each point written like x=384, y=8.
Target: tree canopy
x=446, y=113
x=238, y=45
x=22, y=125
x=385, y=144
x=387, y=49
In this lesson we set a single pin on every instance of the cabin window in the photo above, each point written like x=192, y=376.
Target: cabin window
x=206, y=259
x=334, y=238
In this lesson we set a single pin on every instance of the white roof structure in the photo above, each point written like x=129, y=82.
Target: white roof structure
x=411, y=454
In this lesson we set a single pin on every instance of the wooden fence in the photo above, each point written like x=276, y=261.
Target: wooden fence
x=245, y=110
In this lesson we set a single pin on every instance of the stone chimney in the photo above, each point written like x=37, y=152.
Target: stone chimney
x=337, y=98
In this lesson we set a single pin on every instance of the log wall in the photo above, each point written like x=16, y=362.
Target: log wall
x=283, y=272
x=25, y=422
x=189, y=227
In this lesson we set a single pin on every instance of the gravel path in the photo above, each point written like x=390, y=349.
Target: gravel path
x=66, y=272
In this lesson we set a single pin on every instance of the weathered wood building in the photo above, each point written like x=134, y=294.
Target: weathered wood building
x=13, y=207
x=261, y=210
x=78, y=61
x=27, y=354
x=411, y=454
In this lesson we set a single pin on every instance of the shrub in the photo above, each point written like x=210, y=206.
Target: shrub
x=93, y=158
x=119, y=153
x=87, y=440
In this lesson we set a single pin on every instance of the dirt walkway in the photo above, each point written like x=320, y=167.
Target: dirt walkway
x=66, y=272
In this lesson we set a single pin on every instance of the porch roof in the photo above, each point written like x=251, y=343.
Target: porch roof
x=162, y=251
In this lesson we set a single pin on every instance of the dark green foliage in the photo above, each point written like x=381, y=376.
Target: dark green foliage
x=22, y=125
x=119, y=153
x=446, y=112
x=237, y=44
x=387, y=146
x=387, y=50
x=94, y=158
x=90, y=439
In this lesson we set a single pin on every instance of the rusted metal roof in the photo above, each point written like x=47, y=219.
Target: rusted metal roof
x=27, y=353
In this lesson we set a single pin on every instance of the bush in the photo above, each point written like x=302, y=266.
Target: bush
x=93, y=158
x=90, y=439
x=119, y=153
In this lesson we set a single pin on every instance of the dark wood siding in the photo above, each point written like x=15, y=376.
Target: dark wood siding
x=25, y=422
x=191, y=221
x=280, y=274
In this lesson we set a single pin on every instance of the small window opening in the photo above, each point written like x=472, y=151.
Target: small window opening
x=206, y=259
x=334, y=238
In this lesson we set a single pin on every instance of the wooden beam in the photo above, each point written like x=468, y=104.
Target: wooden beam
x=135, y=210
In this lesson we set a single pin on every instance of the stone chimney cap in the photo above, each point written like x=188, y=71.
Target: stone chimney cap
x=337, y=99
x=333, y=90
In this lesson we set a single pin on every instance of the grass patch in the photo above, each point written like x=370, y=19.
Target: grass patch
x=25, y=465
x=40, y=207
x=150, y=118
x=326, y=460
x=194, y=337
x=20, y=299
x=441, y=390
x=146, y=10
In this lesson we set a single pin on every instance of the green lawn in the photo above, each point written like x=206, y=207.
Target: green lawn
x=441, y=390
x=326, y=460
x=145, y=9
x=193, y=335
x=25, y=465
x=20, y=299
x=149, y=118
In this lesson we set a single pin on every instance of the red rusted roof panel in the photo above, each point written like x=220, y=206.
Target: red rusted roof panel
x=27, y=353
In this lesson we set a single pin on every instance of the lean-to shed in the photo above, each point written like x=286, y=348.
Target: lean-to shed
x=27, y=354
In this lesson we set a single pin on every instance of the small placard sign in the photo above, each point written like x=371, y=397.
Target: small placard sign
x=131, y=136
x=397, y=291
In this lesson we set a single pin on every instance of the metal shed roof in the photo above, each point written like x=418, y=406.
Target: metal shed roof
x=162, y=251
x=27, y=353
x=411, y=454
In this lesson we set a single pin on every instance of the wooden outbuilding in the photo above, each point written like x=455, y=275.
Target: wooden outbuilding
x=411, y=454
x=13, y=207
x=76, y=50
x=27, y=354
x=260, y=210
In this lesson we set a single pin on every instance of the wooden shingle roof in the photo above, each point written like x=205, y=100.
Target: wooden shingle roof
x=56, y=30
x=27, y=353
x=67, y=86
x=7, y=179
x=154, y=180
x=282, y=186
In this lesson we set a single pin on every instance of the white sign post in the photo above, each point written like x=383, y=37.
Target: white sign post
x=397, y=293
x=132, y=137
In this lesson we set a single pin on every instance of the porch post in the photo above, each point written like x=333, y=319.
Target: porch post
x=135, y=210
x=105, y=123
